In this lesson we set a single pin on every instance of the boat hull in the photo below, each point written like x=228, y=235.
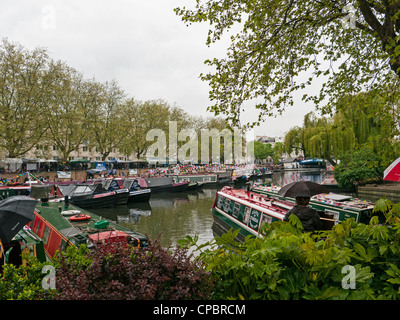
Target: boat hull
x=238, y=209
x=142, y=195
x=122, y=196
x=103, y=200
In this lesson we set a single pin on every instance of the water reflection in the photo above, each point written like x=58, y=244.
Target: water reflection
x=171, y=215
x=175, y=215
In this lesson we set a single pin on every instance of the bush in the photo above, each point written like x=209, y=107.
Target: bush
x=23, y=282
x=128, y=273
x=289, y=264
x=360, y=166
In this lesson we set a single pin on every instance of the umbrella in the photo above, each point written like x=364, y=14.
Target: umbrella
x=15, y=213
x=392, y=173
x=302, y=189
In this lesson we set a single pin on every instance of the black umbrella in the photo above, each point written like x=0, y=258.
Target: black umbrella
x=15, y=213
x=302, y=189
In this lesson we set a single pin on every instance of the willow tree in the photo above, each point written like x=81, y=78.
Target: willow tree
x=283, y=46
x=375, y=122
x=323, y=137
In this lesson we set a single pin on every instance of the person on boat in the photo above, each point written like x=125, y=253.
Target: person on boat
x=308, y=216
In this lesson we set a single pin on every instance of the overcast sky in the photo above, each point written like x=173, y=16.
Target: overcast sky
x=140, y=43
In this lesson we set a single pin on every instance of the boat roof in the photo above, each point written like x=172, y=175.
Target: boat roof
x=332, y=199
x=277, y=208
x=51, y=212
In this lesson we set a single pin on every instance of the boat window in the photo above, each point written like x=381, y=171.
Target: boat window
x=63, y=245
x=236, y=207
x=46, y=234
x=38, y=226
x=227, y=205
x=266, y=218
x=333, y=214
x=220, y=201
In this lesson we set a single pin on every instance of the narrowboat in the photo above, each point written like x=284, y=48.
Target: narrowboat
x=248, y=209
x=136, y=192
x=162, y=184
x=209, y=179
x=122, y=193
x=156, y=184
x=58, y=226
x=245, y=210
x=89, y=196
x=17, y=240
x=339, y=207
x=23, y=245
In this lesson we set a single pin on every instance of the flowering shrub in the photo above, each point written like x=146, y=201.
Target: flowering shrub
x=127, y=273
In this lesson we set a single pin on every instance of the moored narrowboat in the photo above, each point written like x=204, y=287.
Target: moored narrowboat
x=136, y=192
x=17, y=242
x=52, y=224
x=89, y=195
x=339, y=207
x=245, y=210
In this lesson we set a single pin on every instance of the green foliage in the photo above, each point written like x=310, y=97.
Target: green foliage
x=357, y=166
x=261, y=150
x=276, y=42
x=23, y=282
x=47, y=103
x=289, y=264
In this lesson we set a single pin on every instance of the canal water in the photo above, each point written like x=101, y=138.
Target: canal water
x=172, y=216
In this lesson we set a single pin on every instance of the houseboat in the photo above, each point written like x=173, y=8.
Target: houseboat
x=112, y=185
x=340, y=207
x=245, y=210
x=136, y=192
x=248, y=209
x=17, y=240
x=88, y=196
x=208, y=179
x=60, y=224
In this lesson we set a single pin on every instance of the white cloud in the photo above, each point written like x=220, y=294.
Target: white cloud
x=141, y=44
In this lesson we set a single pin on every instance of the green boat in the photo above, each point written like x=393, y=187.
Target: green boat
x=339, y=207
x=59, y=225
x=244, y=210
x=248, y=209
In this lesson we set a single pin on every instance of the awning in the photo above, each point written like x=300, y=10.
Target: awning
x=79, y=160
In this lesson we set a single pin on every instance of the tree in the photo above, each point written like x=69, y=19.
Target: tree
x=106, y=119
x=139, y=118
x=354, y=45
x=323, y=137
x=24, y=84
x=374, y=121
x=261, y=150
x=359, y=166
x=67, y=113
x=277, y=151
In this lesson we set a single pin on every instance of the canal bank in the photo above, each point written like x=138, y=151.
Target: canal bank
x=374, y=192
